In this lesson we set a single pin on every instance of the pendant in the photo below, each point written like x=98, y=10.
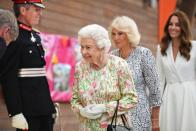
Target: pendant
x=33, y=39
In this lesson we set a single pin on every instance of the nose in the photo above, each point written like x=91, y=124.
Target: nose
x=83, y=51
x=40, y=12
x=115, y=36
x=173, y=26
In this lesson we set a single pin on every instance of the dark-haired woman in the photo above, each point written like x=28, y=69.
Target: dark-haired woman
x=176, y=61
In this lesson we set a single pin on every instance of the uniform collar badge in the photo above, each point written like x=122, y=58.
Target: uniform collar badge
x=33, y=39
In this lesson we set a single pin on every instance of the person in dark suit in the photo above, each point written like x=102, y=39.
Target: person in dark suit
x=8, y=33
x=25, y=86
x=8, y=29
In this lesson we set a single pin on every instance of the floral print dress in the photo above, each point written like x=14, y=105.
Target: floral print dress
x=105, y=86
x=143, y=66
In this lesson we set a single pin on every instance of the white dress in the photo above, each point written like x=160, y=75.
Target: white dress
x=178, y=80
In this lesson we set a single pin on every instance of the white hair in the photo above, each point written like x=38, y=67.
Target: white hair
x=97, y=33
x=7, y=18
x=128, y=26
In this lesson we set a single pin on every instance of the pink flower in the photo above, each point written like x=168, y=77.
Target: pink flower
x=94, y=84
x=103, y=125
x=128, y=83
x=104, y=72
x=91, y=92
x=81, y=92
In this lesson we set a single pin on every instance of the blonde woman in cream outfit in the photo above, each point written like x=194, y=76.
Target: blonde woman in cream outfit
x=126, y=37
x=100, y=80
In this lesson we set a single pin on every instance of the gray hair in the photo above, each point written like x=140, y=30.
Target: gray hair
x=128, y=26
x=16, y=8
x=7, y=18
x=97, y=33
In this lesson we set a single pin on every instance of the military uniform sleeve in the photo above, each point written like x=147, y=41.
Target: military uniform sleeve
x=10, y=64
x=2, y=47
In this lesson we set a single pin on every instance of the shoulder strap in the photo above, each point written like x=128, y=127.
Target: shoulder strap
x=115, y=114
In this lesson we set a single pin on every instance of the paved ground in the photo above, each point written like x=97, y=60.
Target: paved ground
x=66, y=121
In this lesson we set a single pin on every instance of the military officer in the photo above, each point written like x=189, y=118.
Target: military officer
x=25, y=86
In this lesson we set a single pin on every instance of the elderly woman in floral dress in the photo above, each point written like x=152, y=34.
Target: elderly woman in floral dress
x=100, y=81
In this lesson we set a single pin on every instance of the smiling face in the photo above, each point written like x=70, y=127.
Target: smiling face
x=90, y=52
x=174, y=27
x=31, y=14
x=119, y=38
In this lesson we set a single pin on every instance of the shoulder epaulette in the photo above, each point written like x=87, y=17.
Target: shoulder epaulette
x=25, y=27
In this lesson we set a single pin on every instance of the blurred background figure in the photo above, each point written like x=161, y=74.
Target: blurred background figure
x=100, y=80
x=61, y=77
x=8, y=29
x=176, y=58
x=126, y=37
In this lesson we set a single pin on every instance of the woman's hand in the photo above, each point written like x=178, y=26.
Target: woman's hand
x=93, y=111
x=85, y=113
x=96, y=108
x=155, y=117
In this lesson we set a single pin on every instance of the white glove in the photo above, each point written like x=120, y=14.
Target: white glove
x=56, y=105
x=18, y=121
x=56, y=115
x=88, y=115
x=96, y=108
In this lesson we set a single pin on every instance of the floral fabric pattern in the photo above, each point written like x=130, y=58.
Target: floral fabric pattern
x=104, y=86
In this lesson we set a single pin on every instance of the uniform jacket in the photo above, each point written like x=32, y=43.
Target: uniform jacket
x=2, y=47
x=29, y=95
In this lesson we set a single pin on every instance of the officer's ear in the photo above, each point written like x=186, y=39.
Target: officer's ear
x=23, y=10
